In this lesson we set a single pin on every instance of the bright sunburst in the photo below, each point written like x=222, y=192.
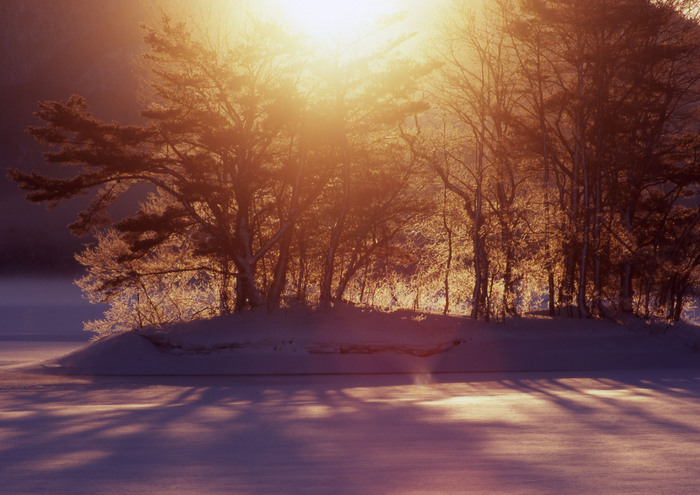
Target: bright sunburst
x=335, y=20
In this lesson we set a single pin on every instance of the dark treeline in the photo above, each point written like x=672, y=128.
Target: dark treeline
x=547, y=156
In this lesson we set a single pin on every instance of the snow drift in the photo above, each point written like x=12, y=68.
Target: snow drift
x=354, y=340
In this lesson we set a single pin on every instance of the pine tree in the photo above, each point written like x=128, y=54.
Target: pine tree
x=217, y=143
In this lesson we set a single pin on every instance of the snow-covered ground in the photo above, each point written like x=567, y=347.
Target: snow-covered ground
x=347, y=402
x=540, y=433
x=351, y=340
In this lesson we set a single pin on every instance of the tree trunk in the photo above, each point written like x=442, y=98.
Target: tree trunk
x=580, y=159
x=326, y=296
x=508, y=291
x=479, y=289
x=224, y=288
x=247, y=294
x=626, y=292
x=448, y=263
x=301, y=281
x=279, y=280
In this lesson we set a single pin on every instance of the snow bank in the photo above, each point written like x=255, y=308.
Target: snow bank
x=353, y=340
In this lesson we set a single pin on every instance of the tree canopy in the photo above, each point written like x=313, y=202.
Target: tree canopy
x=547, y=156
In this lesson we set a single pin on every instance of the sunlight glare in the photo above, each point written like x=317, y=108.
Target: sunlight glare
x=325, y=21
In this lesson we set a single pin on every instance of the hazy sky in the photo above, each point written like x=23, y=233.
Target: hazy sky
x=49, y=50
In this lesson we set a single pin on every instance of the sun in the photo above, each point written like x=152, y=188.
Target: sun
x=353, y=27
x=333, y=21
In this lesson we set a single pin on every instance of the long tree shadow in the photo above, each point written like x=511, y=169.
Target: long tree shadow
x=627, y=395
x=310, y=434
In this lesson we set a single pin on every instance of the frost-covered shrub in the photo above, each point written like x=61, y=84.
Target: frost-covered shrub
x=161, y=288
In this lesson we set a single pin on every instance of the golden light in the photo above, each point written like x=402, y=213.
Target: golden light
x=331, y=21
x=329, y=25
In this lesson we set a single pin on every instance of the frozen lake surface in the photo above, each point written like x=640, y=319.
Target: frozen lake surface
x=540, y=433
x=631, y=430
x=41, y=318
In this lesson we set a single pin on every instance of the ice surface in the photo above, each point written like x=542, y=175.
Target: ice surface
x=545, y=433
x=43, y=309
x=41, y=318
x=39, y=292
